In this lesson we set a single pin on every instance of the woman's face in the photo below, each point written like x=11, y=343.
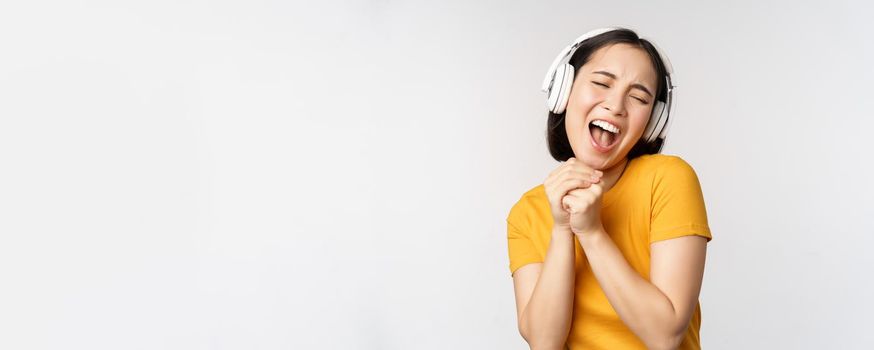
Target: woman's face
x=616, y=85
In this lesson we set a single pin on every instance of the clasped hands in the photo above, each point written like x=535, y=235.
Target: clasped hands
x=574, y=191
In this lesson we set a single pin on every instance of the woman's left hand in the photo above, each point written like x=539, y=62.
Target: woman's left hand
x=584, y=205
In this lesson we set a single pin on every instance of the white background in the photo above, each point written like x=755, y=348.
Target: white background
x=336, y=175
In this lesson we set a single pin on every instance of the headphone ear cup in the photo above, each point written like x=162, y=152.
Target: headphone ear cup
x=564, y=79
x=654, y=120
x=553, y=100
x=552, y=93
x=659, y=130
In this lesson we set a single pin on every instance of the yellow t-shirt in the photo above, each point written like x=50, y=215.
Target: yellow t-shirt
x=657, y=198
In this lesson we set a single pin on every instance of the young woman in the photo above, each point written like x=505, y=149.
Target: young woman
x=608, y=253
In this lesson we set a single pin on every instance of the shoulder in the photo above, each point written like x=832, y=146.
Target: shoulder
x=662, y=161
x=665, y=165
x=532, y=200
x=529, y=199
x=671, y=176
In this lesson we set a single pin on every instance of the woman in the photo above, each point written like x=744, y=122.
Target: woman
x=608, y=253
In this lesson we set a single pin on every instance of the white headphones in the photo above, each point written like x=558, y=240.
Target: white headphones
x=560, y=77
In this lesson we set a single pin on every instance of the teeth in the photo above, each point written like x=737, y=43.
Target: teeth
x=606, y=126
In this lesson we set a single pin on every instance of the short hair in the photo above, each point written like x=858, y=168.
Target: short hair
x=556, y=135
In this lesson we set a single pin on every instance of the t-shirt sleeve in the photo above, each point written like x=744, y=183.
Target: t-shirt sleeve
x=678, y=203
x=519, y=245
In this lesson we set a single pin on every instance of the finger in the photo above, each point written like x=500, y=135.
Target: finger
x=592, y=191
x=585, y=169
x=564, y=169
x=571, y=203
x=584, y=197
x=579, y=165
x=573, y=183
x=582, y=169
x=588, y=175
x=557, y=171
x=560, y=177
x=556, y=188
x=573, y=174
x=556, y=174
x=573, y=168
x=580, y=192
x=596, y=189
x=581, y=197
x=561, y=165
x=565, y=203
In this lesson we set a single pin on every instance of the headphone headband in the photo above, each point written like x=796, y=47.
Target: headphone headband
x=568, y=52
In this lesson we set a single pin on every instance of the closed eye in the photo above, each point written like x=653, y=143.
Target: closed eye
x=606, y=86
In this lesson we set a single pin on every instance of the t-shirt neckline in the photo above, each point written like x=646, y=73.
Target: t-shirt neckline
x=610, y=196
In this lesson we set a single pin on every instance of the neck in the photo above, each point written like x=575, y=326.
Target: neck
x=612, y=175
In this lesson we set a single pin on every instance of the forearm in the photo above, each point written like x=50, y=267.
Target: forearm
x=546, y=320
x=647, y=311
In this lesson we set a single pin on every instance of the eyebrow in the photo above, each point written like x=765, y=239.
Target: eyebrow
x=635, y=85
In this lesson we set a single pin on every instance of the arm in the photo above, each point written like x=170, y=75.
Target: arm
x=659, y=311
x=545, y=294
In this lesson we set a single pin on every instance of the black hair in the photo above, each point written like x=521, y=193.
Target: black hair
x=556, y=135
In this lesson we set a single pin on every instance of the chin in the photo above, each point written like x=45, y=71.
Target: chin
x=595, y=161
x=601, y=161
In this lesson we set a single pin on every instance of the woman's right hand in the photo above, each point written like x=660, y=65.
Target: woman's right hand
x=567, y=176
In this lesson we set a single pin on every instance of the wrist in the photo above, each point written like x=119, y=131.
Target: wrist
x=564, y=230
x=596, y=232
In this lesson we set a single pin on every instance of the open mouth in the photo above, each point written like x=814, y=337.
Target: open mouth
x=604, y=136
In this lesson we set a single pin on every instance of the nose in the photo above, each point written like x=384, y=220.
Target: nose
x=614, y=103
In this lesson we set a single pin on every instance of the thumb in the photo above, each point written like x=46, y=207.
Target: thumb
x=567, y=203
x=597, y=189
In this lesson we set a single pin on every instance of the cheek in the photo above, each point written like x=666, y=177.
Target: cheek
x=577, y=113
x=639, y=119
x=574, y=128
x=588, y=99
